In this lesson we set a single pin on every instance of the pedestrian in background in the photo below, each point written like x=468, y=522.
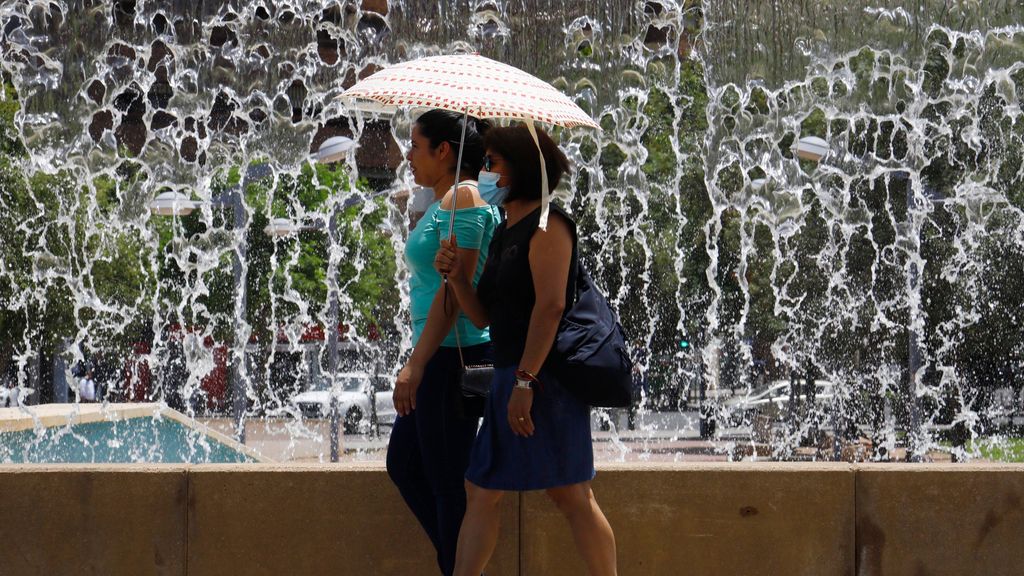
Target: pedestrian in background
x=87, y=387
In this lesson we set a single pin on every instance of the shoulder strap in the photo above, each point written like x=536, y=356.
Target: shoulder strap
x=458, y=344
x=575, y=266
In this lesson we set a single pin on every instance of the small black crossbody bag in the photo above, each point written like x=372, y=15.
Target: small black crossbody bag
x=474, y=383
x=474, y=380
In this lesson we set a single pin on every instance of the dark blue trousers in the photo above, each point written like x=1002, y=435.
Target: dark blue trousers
x=429, y=451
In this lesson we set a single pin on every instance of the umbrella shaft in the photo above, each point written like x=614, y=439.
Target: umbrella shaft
x=458, y=168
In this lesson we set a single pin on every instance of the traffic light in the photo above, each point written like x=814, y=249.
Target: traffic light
x=684, y=344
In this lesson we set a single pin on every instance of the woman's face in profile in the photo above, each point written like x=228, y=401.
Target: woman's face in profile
x=427, y=164
x=494, y=162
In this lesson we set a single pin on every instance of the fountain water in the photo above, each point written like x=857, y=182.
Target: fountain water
x=809, y=216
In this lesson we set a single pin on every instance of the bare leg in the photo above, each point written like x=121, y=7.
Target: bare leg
x=590, y=529
x=479, y=533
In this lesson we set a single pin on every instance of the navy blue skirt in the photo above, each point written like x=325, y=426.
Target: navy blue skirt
x=559, y=453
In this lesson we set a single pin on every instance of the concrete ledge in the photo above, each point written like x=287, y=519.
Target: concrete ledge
x=708, y=519
x=330, y=519
x=50, y=415
x=96, y=519
x=727, y=519
x=940, y=520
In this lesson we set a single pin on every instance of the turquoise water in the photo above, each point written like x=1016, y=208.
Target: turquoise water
x=125, y=441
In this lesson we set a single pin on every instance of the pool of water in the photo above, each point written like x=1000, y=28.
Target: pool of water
x=142, y=439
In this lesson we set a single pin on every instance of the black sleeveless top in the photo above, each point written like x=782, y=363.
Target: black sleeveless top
x=505, y=288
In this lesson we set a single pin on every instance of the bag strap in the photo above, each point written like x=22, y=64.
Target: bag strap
x=572, y=291
x=455, y=326
x=575, y=273
x=458, y=344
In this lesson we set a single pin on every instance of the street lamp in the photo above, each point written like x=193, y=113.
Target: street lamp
x=175, y=203
x=811, y=148
x=172, y=203
x=912, y=235
x=281, y=227
x=335, y=148
x=814, y=149
x=330, y=151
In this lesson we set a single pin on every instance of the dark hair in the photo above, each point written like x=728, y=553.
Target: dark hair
x=445, y=126
x=516, y=146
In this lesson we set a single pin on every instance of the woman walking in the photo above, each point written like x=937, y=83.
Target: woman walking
x=535, y=435
x=429, y=447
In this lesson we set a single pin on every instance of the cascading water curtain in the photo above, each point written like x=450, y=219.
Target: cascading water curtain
x=864, y=164
x=808, y=216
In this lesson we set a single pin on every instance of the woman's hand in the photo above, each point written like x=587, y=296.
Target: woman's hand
x=519, y=418
x=406, y=385
x=447, y=260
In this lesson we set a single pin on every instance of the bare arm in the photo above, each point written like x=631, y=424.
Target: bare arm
x=550, y=258
x=461, y=263
x=442, y=315
x=440, y=320
x=451, y=260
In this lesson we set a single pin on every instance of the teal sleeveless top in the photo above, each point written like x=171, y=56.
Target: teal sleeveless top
x=474, y=228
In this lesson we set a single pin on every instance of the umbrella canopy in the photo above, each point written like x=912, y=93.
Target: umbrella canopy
x=468, y=84
x=471, y=85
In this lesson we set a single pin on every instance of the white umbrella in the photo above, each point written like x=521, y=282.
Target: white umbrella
x=472, y=85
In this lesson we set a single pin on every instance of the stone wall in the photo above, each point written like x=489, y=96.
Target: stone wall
x=708, y=519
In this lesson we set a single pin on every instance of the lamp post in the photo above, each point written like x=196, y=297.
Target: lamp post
x=815, y=149
x=914, y=435
x=282, y=227
x=174, y=203
x=238, y=387
x=331, y=150
x=910, y=236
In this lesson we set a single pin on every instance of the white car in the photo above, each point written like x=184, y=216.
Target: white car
x=352, y=391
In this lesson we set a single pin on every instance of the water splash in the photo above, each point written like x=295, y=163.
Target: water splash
x=866, y=295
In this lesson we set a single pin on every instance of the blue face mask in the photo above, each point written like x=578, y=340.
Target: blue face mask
x=487, y=184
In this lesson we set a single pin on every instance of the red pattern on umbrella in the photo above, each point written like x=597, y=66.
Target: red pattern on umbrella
x=469, y=83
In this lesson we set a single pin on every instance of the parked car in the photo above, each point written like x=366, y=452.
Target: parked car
x=352, y=391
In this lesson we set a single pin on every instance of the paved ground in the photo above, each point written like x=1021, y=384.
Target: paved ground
x=658, y=437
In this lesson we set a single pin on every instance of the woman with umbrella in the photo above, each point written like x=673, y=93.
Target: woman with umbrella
x=430, y=443
x=553, y=453
x=535, y=434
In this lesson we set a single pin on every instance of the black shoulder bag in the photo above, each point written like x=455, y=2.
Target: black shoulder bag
x=589, y=356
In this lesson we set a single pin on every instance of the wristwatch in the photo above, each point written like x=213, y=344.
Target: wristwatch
x=527, y=380
x=524, y=383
